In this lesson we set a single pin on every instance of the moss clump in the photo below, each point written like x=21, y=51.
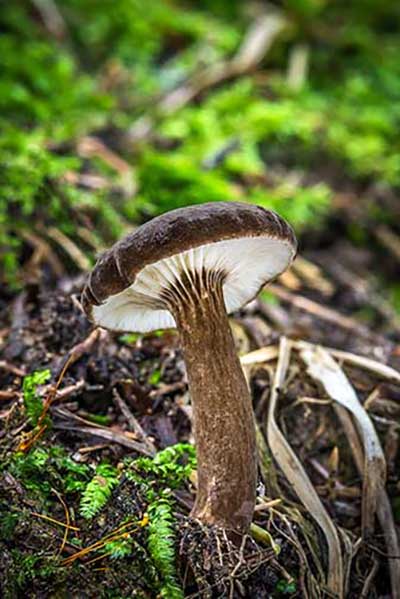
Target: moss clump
x=98, y=490
x=137, y=518
x=254, y=138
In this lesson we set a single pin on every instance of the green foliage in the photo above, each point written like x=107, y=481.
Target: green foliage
x=8, y=522
x=268, y=297
x=284, y=587
x=169, y=467
x=130, y=338
x=155, y=377
x=119, y=548
x=302, y=206
x=29, y=468
x=98, y=490
x=161, y=544
x=167, y=470
x=134, y=34
x=394, y=296
x=42, y=469
x=102, y=419
x=32, y=401
x=27, y=567
x=174, y=180
x=251, y=139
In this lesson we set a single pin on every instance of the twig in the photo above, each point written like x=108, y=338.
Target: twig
x=366, y=291
x=92, y=448
x=381, y=370
x=42, y=252
x=74, y=354
x=7, y=395
x=256, y=43
x=74, y=252
x=70, y=389
x=123, y=531
x=388, y=239
x=258, y=356
x=275, y=314
x=93, y=146
x=67, y=521
x=365, y=593
x=322, y=312
x=54, y=521
x=165, y=389
x=11, y=368
x=290, y=280
x=89, y=238
x=51, y=17
x=112, y=436
x=264, y=504
x=312, y=275
x=298, y=66
x=87, y=180
x=133, y=423
x=97, y=431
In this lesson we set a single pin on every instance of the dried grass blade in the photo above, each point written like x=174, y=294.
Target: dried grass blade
x=384, y=509
x=324, y=369
x=381, y=370
x=259, y=356
x=269, y=353
x=297, y=477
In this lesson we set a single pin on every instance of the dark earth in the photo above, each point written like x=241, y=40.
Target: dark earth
x=112, y=377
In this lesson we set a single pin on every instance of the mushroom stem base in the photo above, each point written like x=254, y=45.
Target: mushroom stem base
x=222, y=412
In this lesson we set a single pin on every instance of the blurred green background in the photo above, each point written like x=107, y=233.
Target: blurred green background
x=114, y=111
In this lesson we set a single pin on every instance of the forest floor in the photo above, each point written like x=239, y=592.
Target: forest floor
x=166, y=104
x=86, y=509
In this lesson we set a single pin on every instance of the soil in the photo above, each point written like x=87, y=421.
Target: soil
x=39, y=328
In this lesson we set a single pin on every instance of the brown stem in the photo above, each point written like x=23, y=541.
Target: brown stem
x=222, y=410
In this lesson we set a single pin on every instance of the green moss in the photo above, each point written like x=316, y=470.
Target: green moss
x=98, y=490
x=32, y=402
x=174, y=180
x=251, y=139
x=167, y=470
x=169, y=467
x=161, y=544
x=44, y=468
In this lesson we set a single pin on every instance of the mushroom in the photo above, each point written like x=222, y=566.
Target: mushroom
x=188, y=269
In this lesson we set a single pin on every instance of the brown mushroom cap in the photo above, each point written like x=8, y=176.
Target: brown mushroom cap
x=212, y=235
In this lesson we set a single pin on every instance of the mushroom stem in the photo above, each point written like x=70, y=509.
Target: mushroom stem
x=222, y=410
